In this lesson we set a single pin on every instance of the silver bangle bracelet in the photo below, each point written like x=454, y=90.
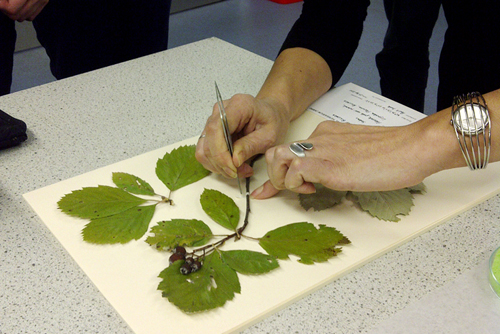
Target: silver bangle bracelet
x=471, y=120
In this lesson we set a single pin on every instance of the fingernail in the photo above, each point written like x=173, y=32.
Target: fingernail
x=257, y=191
x=231, y=173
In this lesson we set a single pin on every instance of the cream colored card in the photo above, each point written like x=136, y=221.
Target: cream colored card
x=127, y=274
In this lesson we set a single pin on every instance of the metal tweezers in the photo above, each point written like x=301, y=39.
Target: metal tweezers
x=225, y=128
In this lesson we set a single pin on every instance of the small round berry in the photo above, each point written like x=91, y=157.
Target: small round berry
x=175, y=257
x=180, y=250
x=195, y=266
x=185, y=269
x=189, y=260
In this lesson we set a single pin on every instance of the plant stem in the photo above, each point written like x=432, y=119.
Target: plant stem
x=247, y=212
x=215, y=244
x=237, y=235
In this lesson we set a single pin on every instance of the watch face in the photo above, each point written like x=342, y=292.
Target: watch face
x=471, y=118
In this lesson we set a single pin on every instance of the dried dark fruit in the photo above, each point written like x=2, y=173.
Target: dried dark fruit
x=195, y=266
x=175, y=257
x=185, y=269
x=189, y=260
x=180, y=250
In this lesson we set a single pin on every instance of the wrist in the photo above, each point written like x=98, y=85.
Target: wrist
x=280, y=110
x=278, y=100
x=439, y=145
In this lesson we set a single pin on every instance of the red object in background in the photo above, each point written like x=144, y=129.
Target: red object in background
x=285, y=1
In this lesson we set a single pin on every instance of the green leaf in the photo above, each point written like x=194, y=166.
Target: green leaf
x=324, y=198
x=220, y=208
x=248, y=262
x=179, y=232
x=132, y=184
x=418, y=189
x=122, y=227
x=386, y=205
x=206, y=289
x=303, y=240
x=180, y=168
x=97, y=202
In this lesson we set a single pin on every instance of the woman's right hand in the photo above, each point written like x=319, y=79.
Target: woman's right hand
x=255, y=125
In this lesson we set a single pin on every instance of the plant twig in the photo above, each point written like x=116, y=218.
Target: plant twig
x=237, y=235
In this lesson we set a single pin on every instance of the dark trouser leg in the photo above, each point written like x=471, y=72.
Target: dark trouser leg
x=403, y=63
x=81, y=36
x=7, y=45
x=470, y=59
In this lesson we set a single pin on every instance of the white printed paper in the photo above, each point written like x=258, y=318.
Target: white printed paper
x=353, y=104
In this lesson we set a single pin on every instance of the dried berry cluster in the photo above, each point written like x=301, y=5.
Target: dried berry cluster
x=190, y=264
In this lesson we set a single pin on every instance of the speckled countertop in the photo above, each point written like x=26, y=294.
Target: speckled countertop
x=89, y=121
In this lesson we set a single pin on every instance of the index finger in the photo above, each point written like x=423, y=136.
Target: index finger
x=215, y=148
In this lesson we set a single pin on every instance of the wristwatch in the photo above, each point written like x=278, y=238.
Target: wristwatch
x=471, y=120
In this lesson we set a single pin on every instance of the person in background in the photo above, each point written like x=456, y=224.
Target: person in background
x=81, y=36
x=404, y=45
x=353, y=157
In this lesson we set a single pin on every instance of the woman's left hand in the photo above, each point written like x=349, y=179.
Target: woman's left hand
x=349, y=157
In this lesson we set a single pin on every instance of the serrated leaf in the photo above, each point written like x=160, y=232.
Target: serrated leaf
x=418, y=189
x=324, y=198
x=132, y=184
x=386, y=205
x=97, y=202
x=206, y=289
x=249, y=262
x=179, y=232
x=220, y=208
x=122, y=227
x=303, y=240
x=180, y=168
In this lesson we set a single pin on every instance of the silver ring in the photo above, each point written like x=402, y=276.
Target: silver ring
x=202, y=136
x=299, y=148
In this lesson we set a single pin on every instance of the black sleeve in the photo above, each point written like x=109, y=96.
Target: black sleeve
x=332, y=29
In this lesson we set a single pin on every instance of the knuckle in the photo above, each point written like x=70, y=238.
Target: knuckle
x=281, y=150
x=199, y=154
x=296, y=164
x=212, y=125
x=240, y=98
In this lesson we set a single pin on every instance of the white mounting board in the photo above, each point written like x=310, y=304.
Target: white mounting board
x=127, y=274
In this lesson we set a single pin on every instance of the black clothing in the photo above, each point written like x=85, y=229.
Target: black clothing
x=7, y=45
x=332, y=29
x=470, y=58
x=403, y=63
x=81, y=36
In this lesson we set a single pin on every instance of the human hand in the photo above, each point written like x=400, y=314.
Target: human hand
x=255, y=125
x=351, y=157
x=21, y=10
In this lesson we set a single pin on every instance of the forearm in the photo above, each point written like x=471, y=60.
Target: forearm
x=298, y=77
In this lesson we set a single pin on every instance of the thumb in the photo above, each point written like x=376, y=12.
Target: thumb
x=248, y=146
x=266, y=190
